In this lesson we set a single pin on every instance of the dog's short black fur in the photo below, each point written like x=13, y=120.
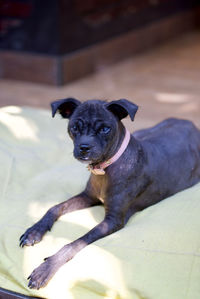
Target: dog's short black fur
x=157, y=163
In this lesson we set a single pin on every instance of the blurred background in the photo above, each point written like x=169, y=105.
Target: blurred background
x=147, y=51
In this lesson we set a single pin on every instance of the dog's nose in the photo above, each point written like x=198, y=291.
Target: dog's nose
x=84, y=148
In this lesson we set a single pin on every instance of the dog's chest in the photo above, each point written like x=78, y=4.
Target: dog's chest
x=101, y=199
x=98, y=184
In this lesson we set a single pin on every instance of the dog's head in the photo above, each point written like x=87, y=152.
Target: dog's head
x=94, y=126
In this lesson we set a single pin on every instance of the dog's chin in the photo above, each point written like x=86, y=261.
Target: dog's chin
x=87, y=160
x=84, y=160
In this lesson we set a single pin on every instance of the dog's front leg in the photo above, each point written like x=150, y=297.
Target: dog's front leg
x=41, y=275
x=35, y=233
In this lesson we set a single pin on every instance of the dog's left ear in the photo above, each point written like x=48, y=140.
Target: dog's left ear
x=122, y=108
x=65, y=107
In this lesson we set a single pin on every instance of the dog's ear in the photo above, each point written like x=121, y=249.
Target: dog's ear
x=65, y=107
x=122, y=108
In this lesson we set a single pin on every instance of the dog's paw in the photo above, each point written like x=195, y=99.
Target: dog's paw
x=41, y=275
x=32, y=236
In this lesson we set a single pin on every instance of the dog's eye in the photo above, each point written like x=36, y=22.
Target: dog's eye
x=75, y=127
x=104, y=130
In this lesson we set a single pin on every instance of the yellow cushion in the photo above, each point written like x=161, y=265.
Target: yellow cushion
x=157, y=254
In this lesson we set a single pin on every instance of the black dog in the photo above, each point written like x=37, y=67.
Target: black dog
x=128, y=173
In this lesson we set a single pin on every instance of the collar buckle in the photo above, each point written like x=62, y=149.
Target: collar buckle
x=96, y=171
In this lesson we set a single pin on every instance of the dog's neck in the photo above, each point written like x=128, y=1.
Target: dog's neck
x=99, y=169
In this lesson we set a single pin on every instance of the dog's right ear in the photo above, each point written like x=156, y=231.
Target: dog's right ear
x=65, y=107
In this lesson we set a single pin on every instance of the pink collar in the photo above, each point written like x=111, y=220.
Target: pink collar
x=99, y=168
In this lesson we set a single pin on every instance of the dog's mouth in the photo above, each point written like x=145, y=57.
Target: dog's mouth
x=85, y=160
x=88, y=155
x=88, y=159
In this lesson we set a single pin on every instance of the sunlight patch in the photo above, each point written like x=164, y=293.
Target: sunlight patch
x=172, y=98
x=20, y=127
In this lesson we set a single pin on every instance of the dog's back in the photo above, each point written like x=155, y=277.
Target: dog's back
x=168, y=126
x=173, y=151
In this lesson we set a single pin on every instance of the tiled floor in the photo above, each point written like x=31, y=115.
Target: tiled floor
x=164, y=82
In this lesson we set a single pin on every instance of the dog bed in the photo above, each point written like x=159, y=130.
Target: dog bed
x=156, y=255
